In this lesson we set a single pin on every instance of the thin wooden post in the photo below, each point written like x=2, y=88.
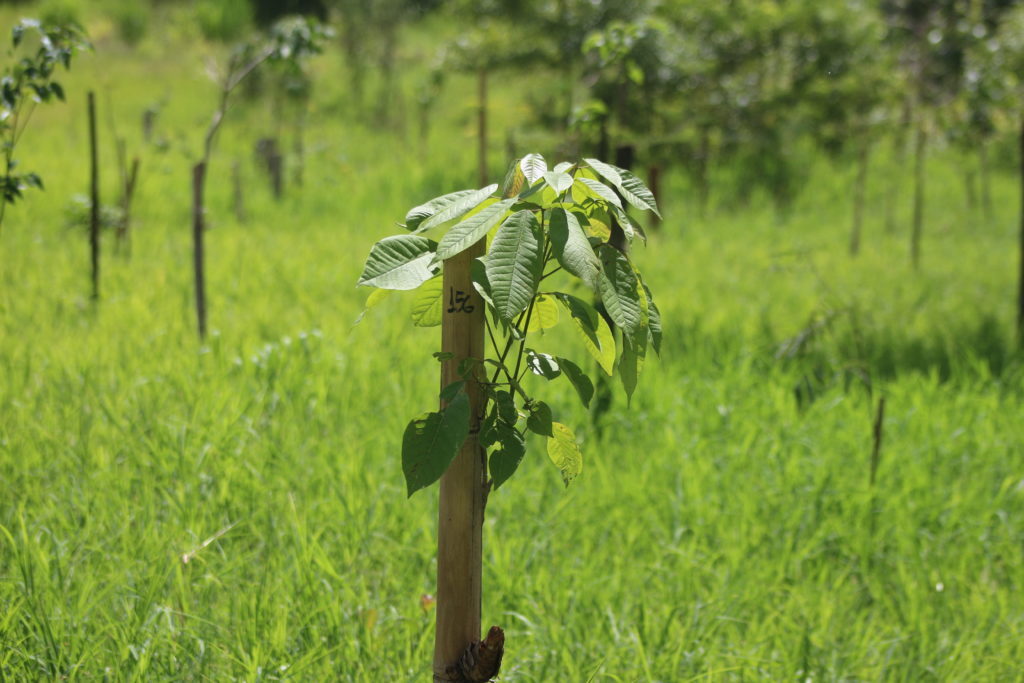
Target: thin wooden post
x=198, y=177
x=238, y=199
x=1020, y=294
x=859, y=187
x=94, y=197
x=482, y=126
x=654, y=182
x=463, y=486
x=920, y=141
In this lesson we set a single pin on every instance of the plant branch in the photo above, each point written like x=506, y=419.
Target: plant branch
x=231, y=80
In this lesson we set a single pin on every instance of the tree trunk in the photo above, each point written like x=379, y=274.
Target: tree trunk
x=859, y=186
x=94, y=200
x=920, y=141
x=482, y=127
x=899, y=146
x=654, y=183
x=198, y=179
x=464, y=484
x=970, y=181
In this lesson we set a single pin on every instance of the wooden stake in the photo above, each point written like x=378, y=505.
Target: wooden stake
x=876, y=450
x=919, y=178
x=198, y=174
x=859, y=186
x=1020, y=294
x=94, y=196
x=482, y=125
x=464, y=484
x=654, y=182
x=238, y=200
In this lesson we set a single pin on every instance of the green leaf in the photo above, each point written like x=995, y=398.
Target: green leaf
x=597, y=336
x=632, y=188
x=562, y=167
x=505, y=461
x=534, y=167
x=420, y=213
x=606, y=171
x=600, y=190
x=636, y=193
x=539, y=421
x=426, y=309
x=470, y=231
x=399, y=262
x=545, y=314
x=478, y=273
x=559, y=182
x=432, y=441
x=514, y=181
x=514, y=264
x=542, y=364
x=372, y=301
x=564, y=452
x=579, y=379
x=505, y=407
x=618, y=288
x=450, y=391
x=631, y=364
x=572, y=248
x=449, y=207
x=653, y=321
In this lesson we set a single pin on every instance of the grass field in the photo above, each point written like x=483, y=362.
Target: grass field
x=723, y=528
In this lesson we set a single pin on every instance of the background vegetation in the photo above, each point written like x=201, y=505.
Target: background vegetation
x=236, y=509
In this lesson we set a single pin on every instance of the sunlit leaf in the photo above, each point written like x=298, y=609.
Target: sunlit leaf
x=514, y=264
x=571, y=247
x=470, y=231
x=454, y=208
x=564, y=453
x=534, y=167
x=429, y=302
x=399, y=262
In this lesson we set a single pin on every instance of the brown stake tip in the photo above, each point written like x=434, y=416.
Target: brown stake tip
x=482, y=659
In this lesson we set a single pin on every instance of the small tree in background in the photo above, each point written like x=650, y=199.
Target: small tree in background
x=290, y=39
x=28, y=81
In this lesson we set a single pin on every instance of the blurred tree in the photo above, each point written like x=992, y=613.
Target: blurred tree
x=266, y=12
x=930, y=38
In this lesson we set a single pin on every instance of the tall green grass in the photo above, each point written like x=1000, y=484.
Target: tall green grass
x=723, y=526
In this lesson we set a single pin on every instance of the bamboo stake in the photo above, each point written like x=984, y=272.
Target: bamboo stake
x=198, y=174
x=94, y=196
x=463, y=486
x=482, y=125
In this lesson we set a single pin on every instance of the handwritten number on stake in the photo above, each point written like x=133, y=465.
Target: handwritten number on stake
x=458, y=301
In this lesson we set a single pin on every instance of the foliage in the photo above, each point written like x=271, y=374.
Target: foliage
x=29, y=81
x=223, y=20
x=542, y=222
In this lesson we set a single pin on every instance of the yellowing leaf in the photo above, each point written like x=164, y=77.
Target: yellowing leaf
x=564, y=453
x=545, y=314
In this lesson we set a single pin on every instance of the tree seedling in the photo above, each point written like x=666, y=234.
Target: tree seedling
x=27, y=82
x=507, y=264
